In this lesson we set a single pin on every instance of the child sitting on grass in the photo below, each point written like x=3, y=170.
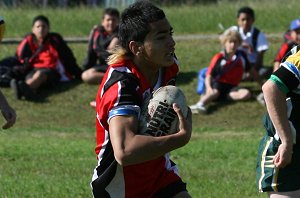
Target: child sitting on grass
x=224, y=73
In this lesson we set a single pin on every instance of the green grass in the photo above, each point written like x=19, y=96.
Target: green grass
x=50, y=150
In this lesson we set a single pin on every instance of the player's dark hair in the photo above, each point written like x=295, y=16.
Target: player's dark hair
x=135, y=22
x=246, y=10
x=41, y=18
x=111, y=12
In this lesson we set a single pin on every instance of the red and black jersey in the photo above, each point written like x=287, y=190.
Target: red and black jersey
x=53, y=49
x=98, y=42
x=284, y=49
x=228, y=71
x=122, y=92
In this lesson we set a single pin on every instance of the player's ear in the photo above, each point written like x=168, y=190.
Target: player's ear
x=135, y=47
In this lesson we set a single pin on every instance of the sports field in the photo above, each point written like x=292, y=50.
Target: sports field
x=50, y=150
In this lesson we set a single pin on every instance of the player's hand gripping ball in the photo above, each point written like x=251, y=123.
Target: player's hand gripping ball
x=158, y=117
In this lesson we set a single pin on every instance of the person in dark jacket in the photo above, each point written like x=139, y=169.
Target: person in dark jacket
x=102, y=38
x=45, y=59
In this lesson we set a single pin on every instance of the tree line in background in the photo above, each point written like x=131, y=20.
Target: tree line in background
x=105, y=3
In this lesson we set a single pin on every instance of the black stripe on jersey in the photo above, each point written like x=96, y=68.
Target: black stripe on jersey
x=287, y=77
x=106, y=172
x=129, y=85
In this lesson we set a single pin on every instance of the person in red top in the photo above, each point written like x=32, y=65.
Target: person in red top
x=46, y=59
x=131, y=164
x=294, y=40
x=225, y=72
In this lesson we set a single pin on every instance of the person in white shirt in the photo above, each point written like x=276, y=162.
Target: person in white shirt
x=255, y=43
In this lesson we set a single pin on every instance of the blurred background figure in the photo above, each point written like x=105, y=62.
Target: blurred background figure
x=7, y=111
x=224, y=73
x=103, y=37
x=255, y=43
x=292, y=41
x=42, y=59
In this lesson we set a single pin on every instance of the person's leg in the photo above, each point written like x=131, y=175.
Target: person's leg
x=239, y=94
x=204, y=100
x=36, y=80
x=291, y=194
x=92, y=76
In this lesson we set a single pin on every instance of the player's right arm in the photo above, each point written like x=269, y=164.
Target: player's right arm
x=131, y=148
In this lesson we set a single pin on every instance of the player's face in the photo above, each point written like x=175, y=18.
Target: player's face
x=231, y=46
x=245, y=21
x=40, y=29
x=110, y=23
x=295, y=34
x=159, y=45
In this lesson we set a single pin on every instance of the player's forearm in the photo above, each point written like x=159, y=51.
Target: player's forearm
x=141, y=148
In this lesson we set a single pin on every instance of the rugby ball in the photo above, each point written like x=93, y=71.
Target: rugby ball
x=158, y=117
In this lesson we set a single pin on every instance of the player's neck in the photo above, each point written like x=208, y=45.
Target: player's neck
x=150, y=72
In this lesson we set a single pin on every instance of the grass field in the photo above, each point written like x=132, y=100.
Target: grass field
x=50, y=150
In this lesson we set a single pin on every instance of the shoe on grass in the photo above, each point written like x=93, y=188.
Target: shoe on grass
x=27, y=92
x=16, y=89
x=198, y=108
x=260, y=99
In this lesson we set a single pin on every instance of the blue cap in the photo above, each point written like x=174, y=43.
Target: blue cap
x=295, y=24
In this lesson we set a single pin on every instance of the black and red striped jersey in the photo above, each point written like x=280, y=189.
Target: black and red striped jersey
x=122, y=92
x=229, y=71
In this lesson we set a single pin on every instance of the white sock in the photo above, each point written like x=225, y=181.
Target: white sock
x=200, y=104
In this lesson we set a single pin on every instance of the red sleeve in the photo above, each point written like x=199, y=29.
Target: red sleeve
x=213, y=62
x=281, y=52
x=24, y=50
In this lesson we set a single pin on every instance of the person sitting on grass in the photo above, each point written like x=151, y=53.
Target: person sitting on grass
x=102, y=38
x=46, y=60
x=224, y=73
x=294, y=40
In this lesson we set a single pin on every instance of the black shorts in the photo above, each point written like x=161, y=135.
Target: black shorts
x=223, y=88
x=171, y=190
x=53, y=76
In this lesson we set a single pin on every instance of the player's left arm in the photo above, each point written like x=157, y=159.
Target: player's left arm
x=276, y=106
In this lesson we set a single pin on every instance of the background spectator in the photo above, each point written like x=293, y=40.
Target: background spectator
x=225, y=72
x=44, y=59
x=294, y=39
x=255, y=43
x=102, y=38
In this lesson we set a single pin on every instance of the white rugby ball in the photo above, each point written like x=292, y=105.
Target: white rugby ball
x=158, y=117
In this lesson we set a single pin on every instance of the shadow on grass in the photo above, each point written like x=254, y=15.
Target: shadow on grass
x=186, y=77
x=45, y=92
x=215, y=106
